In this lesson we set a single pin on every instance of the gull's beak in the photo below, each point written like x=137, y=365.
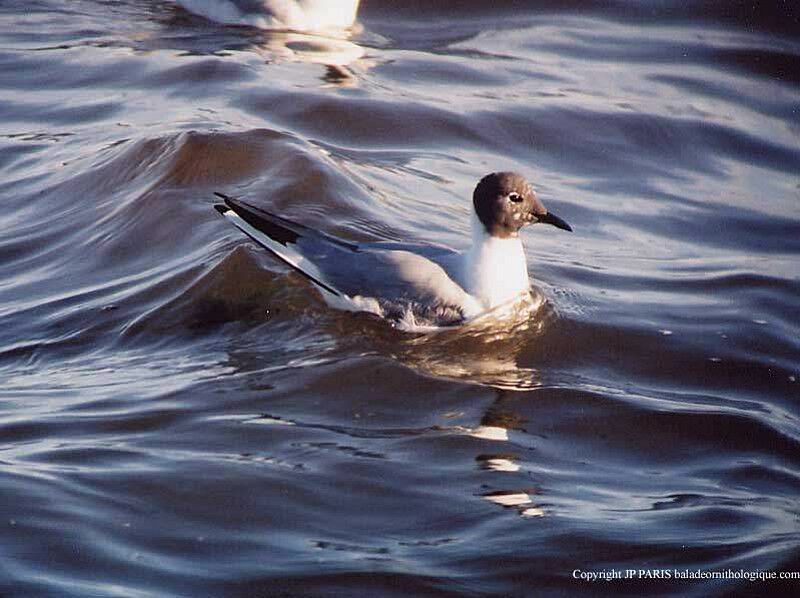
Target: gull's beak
x=550, y=218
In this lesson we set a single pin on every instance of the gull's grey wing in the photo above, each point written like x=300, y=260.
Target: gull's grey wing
x=391, y=271
x=445, y=257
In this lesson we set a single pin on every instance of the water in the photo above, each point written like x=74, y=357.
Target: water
x=180, y=415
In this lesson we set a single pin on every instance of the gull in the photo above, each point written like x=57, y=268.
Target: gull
x=423, y=284
x=295, y=15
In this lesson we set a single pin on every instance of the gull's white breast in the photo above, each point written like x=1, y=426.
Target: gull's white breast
x=494, y=270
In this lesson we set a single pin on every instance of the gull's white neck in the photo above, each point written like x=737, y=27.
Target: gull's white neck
x=494, y=270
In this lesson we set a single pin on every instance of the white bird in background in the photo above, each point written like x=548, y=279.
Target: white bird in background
x=295, y=15
x=414, y=285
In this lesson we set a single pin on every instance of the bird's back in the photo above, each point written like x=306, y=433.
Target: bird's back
x=400, y=277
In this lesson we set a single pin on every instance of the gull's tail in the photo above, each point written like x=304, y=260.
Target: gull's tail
x=292, y=243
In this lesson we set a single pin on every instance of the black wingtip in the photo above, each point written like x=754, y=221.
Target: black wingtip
x=234, y=204
x=278, y=229
x=230, y=203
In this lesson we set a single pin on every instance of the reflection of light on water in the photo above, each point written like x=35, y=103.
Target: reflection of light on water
x=508, y=499
x=514, y=499
x=489, y=433
x=301, y=47
x=483, y=351
x=500, y=464
x=270, y=421
x=498, y=373
x=99, y=376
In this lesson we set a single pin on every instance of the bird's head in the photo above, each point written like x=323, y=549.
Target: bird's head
x=505, y=202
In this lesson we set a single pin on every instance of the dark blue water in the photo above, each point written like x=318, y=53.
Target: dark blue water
x=180, y=415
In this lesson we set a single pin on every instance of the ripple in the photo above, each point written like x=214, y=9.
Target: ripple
x=179, y=414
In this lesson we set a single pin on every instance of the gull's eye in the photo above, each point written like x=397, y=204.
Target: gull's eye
x=515, y=197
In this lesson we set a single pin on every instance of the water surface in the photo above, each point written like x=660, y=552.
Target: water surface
x=180, y=415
